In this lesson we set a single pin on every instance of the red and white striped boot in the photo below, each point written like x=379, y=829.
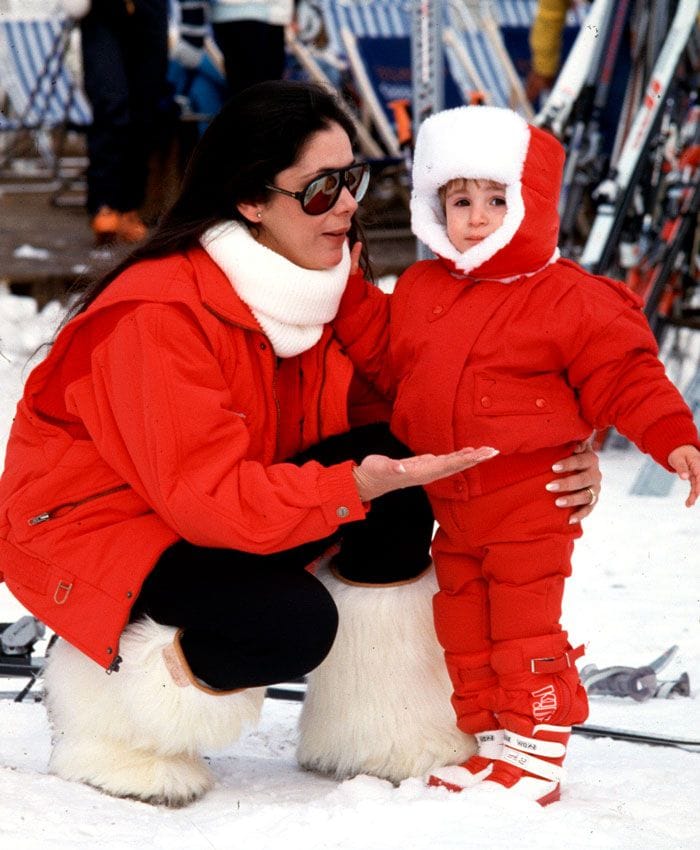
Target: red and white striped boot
x=459, y=777
x=531, y=767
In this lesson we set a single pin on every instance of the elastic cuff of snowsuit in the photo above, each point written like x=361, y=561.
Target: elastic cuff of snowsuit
x=668, y=434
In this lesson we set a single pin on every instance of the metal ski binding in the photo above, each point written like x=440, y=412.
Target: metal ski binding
x=640, y=683
x=17, y=641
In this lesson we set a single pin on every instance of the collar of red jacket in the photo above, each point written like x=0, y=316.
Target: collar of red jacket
x=162, y=280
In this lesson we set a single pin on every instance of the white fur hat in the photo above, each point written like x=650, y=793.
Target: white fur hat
x=481, y=142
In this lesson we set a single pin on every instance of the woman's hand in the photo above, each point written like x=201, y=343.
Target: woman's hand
x=378, y=474
x=582, y=486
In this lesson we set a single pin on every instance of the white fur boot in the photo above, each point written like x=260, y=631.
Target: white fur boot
x=139, y=732
x=379, y=703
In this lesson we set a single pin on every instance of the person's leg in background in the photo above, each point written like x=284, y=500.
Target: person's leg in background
x=253, y=52
x=106, y=86
x=124, y=65
x=146, y=70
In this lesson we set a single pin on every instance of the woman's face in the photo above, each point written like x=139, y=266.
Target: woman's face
x=309, y=241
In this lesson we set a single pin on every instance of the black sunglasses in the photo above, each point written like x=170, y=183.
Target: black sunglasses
x=323, y=192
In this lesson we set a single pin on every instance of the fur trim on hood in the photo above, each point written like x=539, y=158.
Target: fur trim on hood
x=490, y=143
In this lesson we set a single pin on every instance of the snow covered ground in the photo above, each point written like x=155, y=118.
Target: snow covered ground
x=634, y=593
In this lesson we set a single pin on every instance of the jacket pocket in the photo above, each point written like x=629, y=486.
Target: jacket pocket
x=64, y=508
x=495, y=395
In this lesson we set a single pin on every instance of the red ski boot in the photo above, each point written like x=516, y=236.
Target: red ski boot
x=458, y=777
x=531, y=767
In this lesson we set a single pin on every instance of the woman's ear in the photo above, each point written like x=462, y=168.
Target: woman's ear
x=250, y=212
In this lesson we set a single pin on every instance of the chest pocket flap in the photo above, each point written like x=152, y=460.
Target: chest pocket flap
x=495, y=395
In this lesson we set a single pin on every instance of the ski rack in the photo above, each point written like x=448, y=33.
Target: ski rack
x=584, y=161
x=554, y=113
x=616, y=192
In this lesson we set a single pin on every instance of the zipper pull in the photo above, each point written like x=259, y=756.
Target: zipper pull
x=37, y=520
x=114, y=666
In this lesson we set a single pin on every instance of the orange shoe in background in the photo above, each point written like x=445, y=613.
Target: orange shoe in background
x=131, y=227
x=105, y=225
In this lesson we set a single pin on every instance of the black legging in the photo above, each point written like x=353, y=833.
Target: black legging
x=251, y=620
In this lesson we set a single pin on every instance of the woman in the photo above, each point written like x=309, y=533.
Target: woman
x=186, y=450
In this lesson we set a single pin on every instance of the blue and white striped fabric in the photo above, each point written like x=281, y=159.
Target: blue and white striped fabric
x=393, y=18
x=365, y=19
x=39, y=88
x=514, y=13
x=488, y=66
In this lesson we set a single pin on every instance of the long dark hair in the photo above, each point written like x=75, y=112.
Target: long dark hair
x=257, y=134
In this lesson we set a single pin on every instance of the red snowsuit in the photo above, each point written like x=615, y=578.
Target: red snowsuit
x=528, y=358
x=155, y=417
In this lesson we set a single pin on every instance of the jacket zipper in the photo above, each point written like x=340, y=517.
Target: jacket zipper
x=67, y=507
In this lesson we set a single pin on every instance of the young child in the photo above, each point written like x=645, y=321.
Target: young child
x=500, y=342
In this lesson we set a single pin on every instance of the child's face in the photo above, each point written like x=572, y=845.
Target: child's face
x=473, y=210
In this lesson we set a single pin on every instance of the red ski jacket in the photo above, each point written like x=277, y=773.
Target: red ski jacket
x=154, y=418
x=528, y=367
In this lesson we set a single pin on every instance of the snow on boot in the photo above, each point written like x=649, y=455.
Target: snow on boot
x=459, y=777
x=379, y=703
x=139, y=732
x=531, y=767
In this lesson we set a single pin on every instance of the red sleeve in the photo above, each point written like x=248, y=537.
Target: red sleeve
x=362, y=326
x=160, y=411
x=617, y=372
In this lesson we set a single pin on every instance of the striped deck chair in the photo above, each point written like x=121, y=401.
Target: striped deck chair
x=487, y=45
x=41, y=99
x=374, y=36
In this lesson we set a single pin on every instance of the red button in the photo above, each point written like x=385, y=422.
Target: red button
x=540, y=403
x=437, y=310
x=486, y=401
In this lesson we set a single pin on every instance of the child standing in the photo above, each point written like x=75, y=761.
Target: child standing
x=500, y=342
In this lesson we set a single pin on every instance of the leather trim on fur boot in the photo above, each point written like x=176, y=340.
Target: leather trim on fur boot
x=352, y=583
x=181, y=673
x=135, y=733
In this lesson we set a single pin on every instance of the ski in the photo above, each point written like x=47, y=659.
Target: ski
x=636, y=737
x=586, y=730
x=585, y=160
x=616, y=192
x=572, y=77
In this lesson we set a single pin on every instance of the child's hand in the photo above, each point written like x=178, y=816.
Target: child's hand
x=355, y=252
x=686, y=461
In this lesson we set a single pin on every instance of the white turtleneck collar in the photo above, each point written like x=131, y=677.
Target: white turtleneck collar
x=291, y=304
